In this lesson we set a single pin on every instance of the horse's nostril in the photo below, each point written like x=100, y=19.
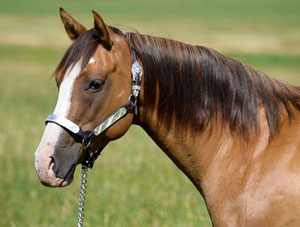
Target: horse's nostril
x=53, y=164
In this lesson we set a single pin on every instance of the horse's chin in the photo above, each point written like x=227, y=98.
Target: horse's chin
x=49, y=179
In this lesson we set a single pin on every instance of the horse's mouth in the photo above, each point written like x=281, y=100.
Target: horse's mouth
x=69, y=177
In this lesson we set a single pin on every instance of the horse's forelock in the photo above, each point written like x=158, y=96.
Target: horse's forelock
x=82, y=49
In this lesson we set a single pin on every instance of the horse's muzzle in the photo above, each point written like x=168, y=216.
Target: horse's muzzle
x=44, y=168
x=56, y=157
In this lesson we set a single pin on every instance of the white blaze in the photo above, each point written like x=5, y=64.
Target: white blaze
x=52, y=131
x=65, y=91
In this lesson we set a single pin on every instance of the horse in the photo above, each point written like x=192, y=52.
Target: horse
x=231, y=129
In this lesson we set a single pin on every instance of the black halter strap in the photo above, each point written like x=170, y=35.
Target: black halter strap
x=86, y=137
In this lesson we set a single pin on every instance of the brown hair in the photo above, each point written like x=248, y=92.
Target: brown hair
x=197, y=84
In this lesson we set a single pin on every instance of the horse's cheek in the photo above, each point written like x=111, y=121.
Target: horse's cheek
x=120, y=128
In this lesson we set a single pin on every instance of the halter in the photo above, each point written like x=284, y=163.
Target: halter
x=86, y=137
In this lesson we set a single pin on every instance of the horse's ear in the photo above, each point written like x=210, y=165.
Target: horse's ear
x=102, y=29
x=73, y=28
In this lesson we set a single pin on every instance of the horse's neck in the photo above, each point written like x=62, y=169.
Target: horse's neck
x=201, y=156
x=223, y=167
x=193, y=154
x=205, y=158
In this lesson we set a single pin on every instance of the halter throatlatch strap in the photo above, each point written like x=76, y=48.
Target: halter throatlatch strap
x=86, y=137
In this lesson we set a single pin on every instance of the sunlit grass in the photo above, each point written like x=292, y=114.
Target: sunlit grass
x=133, y=183
x=242, y=26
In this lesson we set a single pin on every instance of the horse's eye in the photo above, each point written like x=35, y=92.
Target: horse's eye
x=96, y=85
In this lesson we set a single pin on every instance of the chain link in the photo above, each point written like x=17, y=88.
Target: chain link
x=82, y=194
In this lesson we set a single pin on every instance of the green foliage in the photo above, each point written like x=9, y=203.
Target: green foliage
x=133, y=183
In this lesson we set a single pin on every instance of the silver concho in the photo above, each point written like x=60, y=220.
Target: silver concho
x=136, y=71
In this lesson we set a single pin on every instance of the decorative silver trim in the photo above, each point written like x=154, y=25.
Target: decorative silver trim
x=110, y=121
x=137, y=73
x=136, y=68
x=63, y=122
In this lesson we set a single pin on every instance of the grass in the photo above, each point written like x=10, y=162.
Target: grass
x=133, y=183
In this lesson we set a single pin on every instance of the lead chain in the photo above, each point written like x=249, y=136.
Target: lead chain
x=82, y=194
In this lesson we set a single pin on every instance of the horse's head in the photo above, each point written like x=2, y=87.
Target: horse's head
x=93, y=79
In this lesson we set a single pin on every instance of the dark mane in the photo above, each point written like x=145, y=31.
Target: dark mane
x=196, y=85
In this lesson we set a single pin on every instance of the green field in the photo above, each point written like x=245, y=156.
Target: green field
x=133, y=183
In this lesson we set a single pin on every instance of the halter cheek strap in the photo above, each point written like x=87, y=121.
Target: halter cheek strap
x=86, y=137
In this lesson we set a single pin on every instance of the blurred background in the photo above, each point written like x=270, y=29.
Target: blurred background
x=133, y=183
